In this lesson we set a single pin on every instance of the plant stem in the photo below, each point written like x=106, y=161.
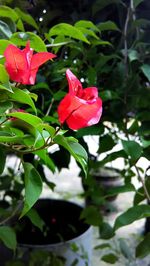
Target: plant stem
x=125, y=41
x=143, y=184
x=8, y=219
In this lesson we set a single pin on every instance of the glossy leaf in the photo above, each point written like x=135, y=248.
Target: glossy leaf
x=46, y=160
x=132, y=149
x=106, y=143
x=8, y=237
x=35, y=219
x=26, y=18
x=33, y=187
x=21, y=38
x=67, y=30
x=131, y=215
x=6, y=11
x=75, y=149
x=10, y=139
x=86, y=24
x=5, y=32
x=22, y=96
x=28, y=118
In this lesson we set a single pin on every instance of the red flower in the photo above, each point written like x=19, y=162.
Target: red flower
x=22, y=65
x=80, y=107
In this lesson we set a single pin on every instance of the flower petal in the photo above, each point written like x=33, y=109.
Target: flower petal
x=68, y=104
x=75, y=86
x=40, y=58
x=16, y=63
x=85, y=115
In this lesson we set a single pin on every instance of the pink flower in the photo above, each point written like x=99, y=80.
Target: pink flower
x=80, y=107
x=22, y=65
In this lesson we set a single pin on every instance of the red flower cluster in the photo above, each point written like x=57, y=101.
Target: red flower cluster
x=22, y=65
x=80, y=107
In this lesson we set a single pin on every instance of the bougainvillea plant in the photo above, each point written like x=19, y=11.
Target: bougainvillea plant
x=23, y=132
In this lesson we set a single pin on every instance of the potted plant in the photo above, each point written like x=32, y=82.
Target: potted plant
x=23, y=131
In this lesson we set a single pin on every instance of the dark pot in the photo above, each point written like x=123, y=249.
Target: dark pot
x=102, y=180
x=64, y=229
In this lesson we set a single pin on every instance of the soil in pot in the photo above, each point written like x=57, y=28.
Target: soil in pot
x=65, y=234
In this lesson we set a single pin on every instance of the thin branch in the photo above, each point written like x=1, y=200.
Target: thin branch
x=14, y=213
x=125, y=31
x=143, y=184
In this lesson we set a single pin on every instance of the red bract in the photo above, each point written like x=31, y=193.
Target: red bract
x=80, y=107
x=22, y=65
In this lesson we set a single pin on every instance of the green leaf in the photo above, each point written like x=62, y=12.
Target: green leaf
x=33, y=187
x=3, y=45
x=133, y=55
x=133, y=214
x=143, y=249
x=4, y=79
x=102, y=246
x=111, y=157
x=109, y=95
x=120, y=189
x=126, y=249
x=11, y=24
x=106, y=143
x=110, y=258
x=2, y=160
x=146, y=71
x=5, y=32
x=22, y=96
x=44, y=156
x=21, y=38
x=20, y=25
x=67, y=30
x=91, y=216
x=100, y=4
x=75, y=149
x=137, y=2
x=86, y=24
x=108, y=25
x=132, y=149
x=4, y=106
x=88, y=131
x=28, y=118
x=88, y=32
x=106, y=231
x=10, y=139
x=6, y=11
x=7, y=235
x=35, y=219
x=26, y=18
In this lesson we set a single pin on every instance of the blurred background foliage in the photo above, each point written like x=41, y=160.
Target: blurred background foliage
x=107, y=45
